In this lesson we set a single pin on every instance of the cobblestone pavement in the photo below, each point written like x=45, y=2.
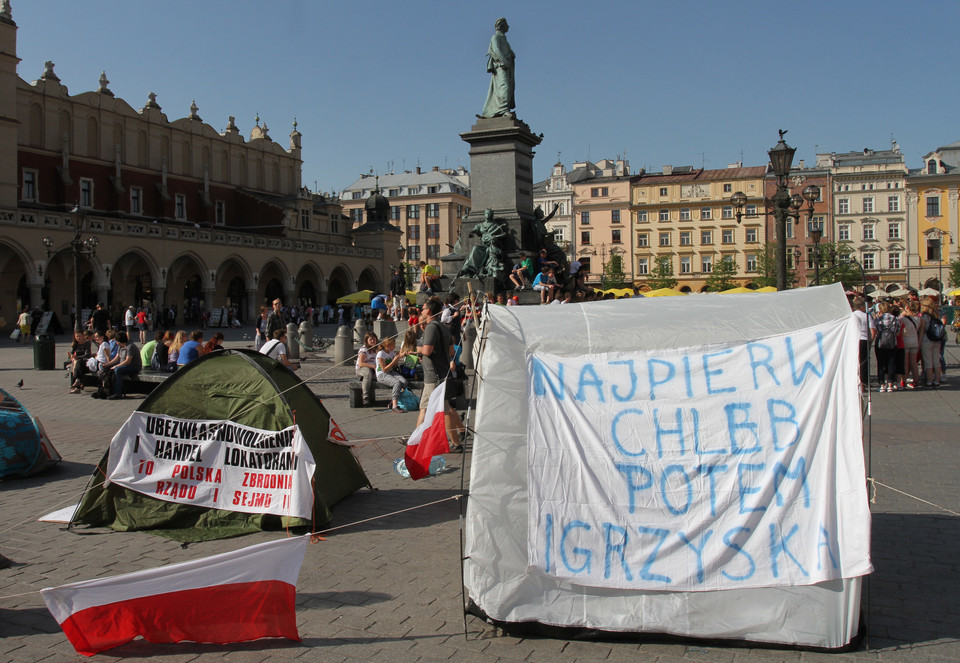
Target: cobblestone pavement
x=389, y=589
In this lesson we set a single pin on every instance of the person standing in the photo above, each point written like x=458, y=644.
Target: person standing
x=100, y=319
x=130, y=321
x=275, y=319
x=398, y=292
x=142, y=325
x=438, y=352
x=500, y=65
x=261, y=323
x=23, y=322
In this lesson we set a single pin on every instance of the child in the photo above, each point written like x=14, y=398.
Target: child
x=387, y=361
x=519, y=271
x=545, y=284
x=367, y=368
x=408, y=368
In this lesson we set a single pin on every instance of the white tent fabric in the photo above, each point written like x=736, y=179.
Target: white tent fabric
x=509, y=581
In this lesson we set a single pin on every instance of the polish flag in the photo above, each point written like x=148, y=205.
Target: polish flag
x=430, y=438
x=238, y=596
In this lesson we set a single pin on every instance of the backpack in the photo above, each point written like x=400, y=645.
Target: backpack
x=887, y=340
x=935, y=329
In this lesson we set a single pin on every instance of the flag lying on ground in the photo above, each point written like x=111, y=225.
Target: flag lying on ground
x=430, y=437
x=234, y=597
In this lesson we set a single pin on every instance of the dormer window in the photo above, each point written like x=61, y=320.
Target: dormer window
x=932, y=167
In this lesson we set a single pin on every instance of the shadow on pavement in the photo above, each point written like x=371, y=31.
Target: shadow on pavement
x=378, y=503
x=27, y=621
x=913, y=595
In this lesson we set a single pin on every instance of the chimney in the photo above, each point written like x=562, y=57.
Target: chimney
x=801, y=164
x=418, y=170
x=436, y=168
x=668, y=170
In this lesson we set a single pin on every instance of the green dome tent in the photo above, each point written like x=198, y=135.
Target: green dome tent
x=247, y=388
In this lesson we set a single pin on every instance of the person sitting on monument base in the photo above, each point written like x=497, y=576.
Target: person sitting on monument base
x=429, y=278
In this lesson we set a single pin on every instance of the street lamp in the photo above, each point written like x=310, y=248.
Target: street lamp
x=816, y=232
x=79, y=247
x=784, y=204
x=938, y=235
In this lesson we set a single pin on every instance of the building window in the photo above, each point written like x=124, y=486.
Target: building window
x=433, y=231
x=558, y=234
x=86, y=193
x=357, y=195
x=664, y=215
x=643, y=241
x=706, y=237
x=664, y=239
x=643, y=266
x=869, y=231
x=433, y=189
x=413, y=211
x=685, y=264
x=727, y=188
x=751, y=262
x=790, y=232
x=413, y=253
x=221, y=214
x=726, y=212
x=642, y=216
x=686, y=238
x=705, y=213
x=585, y=218
x=933, y=205
x=433, y=210
x=29, y=190
x=433, y=251
x=180, y=206
x=751, y=210
x=869, y=261
x=663, y=191
x=393, y=193
x=706, y=264
x=413, y=232
x=893, y=203
x=584, y=236
x=585, y=263
x=136, y=200
x=868, y=205
x=893, y=230
x=394, y=212
x=893, y=260
x=843, y=205
x=932, y=167
x=356, y=216
x=684, y=213
x=334, y=223
x=751, y=236
x=615, y=236
x=933, y=249
x=599, y=191
x=615, y=216
x=726, y=236
x=843, y=233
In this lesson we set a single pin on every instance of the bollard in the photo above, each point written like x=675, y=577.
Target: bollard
x=306, y=336
x=293, y=344
x=385, y=329
x=343, y=347
x=468, y=337
x=359, y=331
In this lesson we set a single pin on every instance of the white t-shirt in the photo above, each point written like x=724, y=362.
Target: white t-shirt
x=863, y=325
x=274, y=349
x=128, y=319
x=386, y=357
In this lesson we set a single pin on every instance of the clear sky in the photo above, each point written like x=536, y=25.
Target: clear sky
x=389, y=84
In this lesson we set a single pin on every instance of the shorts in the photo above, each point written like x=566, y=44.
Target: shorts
x=539, y=287
x=142, y=326
x=428, y=388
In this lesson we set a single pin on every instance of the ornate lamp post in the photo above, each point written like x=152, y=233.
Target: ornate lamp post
x=816, y=232
x=79, y=247
x=784, y=204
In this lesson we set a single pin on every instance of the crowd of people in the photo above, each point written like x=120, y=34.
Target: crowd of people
x=909, y=336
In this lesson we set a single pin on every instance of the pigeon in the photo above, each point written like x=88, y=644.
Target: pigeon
x=20, y=384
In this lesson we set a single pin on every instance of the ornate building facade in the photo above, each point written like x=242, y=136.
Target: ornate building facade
x=932, y=215
x=185, y=215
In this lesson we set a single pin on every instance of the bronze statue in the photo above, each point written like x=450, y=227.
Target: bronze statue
x=500, y=63
x=486, y=258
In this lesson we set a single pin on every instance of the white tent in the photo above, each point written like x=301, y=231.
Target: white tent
x=690, y=466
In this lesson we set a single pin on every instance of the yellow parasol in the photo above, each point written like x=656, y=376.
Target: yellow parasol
x=664, y=292
x=360, y=297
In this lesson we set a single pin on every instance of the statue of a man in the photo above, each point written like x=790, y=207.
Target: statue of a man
x=500, y=64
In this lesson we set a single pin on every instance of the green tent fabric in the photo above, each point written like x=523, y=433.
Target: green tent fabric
x=248, y=388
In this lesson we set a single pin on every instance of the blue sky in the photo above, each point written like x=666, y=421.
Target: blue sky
x=390, y=85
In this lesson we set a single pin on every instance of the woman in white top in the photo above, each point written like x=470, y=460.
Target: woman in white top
x=388, y=359
x=367, y=368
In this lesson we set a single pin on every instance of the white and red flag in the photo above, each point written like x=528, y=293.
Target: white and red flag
x=234, y=597
x=430, y=437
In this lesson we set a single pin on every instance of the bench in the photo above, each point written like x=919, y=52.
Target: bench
x=142, y=383
x=355, y=390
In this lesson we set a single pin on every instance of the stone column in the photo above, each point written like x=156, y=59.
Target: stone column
x=35, y=299
x=159, y=292
x=253, y=310
x=208, y=299
x=102, y=291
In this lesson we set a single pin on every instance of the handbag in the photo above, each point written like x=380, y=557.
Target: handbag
x=408, y=401
x=15, y=334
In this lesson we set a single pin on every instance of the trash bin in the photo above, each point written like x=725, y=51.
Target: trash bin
x=44, y=352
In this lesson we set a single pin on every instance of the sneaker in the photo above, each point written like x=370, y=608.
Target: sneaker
x=910, y=385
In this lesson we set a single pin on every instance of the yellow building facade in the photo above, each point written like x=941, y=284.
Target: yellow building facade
x=684, y=216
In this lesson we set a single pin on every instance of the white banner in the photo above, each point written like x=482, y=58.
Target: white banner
x=700, y=468
x=215, y=464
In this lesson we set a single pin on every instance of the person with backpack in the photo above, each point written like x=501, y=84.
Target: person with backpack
x=932, y=332
x=885, y=345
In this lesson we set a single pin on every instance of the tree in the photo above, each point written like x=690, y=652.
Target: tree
x=662, y=274
x=722, y=276
x=767, y=267
x=613, y=276
x=953, y=275
x=837, y=266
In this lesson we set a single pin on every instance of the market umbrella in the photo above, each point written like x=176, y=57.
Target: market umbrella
x=360, y=297
x=411, y=296
x=664, y=292
x=734, y=291
x=878, y=293
x=954, y=293
x=928, y=292
x=766, y=288
x=903, y=292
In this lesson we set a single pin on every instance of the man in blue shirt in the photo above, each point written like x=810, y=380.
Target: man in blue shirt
x=191, y=349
